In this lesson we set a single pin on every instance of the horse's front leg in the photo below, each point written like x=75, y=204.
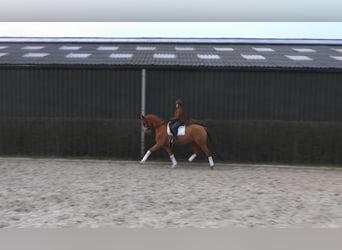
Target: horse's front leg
x=171, y=155
x=150, y=151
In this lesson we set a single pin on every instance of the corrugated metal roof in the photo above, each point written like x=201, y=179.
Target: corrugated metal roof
x=172, y=52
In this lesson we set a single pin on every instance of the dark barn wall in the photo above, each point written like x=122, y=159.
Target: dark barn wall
x=247, y=95
x=70, y=112
x=257, y=116
x=253, y=116
x=74, y=93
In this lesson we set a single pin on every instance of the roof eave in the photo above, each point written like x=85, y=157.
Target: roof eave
x=172, y=40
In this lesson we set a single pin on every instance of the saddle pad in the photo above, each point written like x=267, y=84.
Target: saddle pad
x=181, y=130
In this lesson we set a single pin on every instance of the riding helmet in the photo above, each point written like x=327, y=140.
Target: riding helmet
x=179, y=101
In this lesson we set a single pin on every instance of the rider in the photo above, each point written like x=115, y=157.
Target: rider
x=177, y=120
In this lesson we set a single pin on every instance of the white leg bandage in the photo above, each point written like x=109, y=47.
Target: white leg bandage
x=191, y=158
x=145, y=156
x=174, y=162
x=211, y=162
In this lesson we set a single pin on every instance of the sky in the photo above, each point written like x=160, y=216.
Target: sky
x=296, y=30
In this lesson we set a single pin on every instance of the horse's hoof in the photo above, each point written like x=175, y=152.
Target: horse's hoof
x=174, y=166
x=212, y=167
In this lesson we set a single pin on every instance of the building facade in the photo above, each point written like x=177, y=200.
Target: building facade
x=263, y=101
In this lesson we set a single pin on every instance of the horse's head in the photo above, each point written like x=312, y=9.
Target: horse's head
x=148, y=125
x=151, y=122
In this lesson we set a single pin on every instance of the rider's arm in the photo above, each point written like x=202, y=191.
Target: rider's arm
x=178, y=115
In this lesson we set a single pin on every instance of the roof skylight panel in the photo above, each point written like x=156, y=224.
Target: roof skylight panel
x=70, y=47
x=3, y=47
x=164, y=56
x=253, y=57
x=304, y=50
x=208, y=56
x=184, y=48
x=263, y=49
x=32, y=47
x=339, y=58
x=121, y=55
x=223, y=49
x=36, y=55
x=3, y=54
x=77, y=55
x=299, y=58
x=108, y=48
x=338, y=50
x=145, y=48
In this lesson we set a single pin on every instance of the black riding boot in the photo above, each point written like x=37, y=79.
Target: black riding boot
x=174, y=140
x=171, y=141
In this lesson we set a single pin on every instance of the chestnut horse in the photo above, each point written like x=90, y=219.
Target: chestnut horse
x=195, y=134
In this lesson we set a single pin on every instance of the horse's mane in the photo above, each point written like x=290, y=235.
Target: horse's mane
x=154, y=117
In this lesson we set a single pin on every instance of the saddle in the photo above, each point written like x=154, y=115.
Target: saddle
x=181, y=129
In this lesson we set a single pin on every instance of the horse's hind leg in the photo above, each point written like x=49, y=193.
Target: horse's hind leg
x=207, y=152
x=196, y=150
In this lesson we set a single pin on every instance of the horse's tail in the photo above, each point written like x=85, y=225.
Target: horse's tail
x=210, y=140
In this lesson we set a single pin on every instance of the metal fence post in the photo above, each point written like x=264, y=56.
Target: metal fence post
x=143, y=107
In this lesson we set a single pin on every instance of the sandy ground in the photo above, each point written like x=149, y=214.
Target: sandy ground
x=55, y=193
